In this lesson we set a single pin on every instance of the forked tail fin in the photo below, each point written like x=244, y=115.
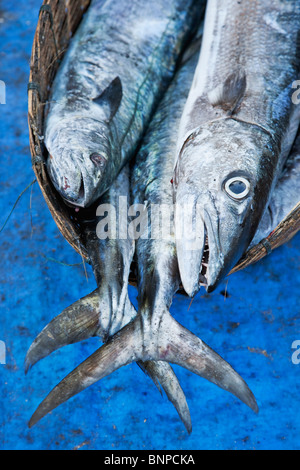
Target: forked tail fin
x=81, y=321
x=171, y=343
x=162, y=374
x=75, y=323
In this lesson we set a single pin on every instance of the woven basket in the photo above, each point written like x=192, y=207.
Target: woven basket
x=58, y=20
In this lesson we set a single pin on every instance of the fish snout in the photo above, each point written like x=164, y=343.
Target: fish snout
x=67, y=181
x=192, y=246
x=77, y=183
x=203, y=259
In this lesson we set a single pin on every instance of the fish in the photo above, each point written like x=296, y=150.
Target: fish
x=107, y=309
x=284, y=198
x=235, y=133
x=116, y=69
x=154, y=334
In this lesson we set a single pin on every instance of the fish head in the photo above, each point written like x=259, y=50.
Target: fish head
x=222, y=182
x=83, y=160
x=79, y=153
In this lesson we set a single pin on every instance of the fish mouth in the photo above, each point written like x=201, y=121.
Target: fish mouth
x=78, y=198
x=204, y=265
x=73, y=187
x=77, y=177
x=201, y=260
x=195, y=264
x=71, y=195
x=192, y=244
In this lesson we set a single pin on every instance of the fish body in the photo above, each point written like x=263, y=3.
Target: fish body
x=158, y=274
x=285, y=196
x=111, y=256
x=236, y=131
x=115, y=70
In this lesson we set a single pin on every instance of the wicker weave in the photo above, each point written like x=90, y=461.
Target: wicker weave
x=58, y=20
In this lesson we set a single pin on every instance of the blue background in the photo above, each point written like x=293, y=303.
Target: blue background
x=253, y=328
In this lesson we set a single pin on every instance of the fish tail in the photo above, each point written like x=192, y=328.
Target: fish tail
x=80, y=321
x=75, y=323
x=162, y=374
x=171, y=343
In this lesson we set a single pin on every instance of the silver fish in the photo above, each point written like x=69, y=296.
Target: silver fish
x=116, y=69
x=285, y=196
x=154, y=334
x=106, y=310
x=158, y=276
x=236, y=131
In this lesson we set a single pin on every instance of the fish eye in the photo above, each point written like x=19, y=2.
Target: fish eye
x=98, y=160
x=237, y=187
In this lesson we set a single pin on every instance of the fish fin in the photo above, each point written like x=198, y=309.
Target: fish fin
x=118, y=351
x=162, y=374
x=81, y=321
x=143, y=366
x=111, y=98
x=229, y=94
x=172, y=343
x=75, y=323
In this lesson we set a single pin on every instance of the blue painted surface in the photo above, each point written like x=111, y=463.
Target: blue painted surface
x=253, y=328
